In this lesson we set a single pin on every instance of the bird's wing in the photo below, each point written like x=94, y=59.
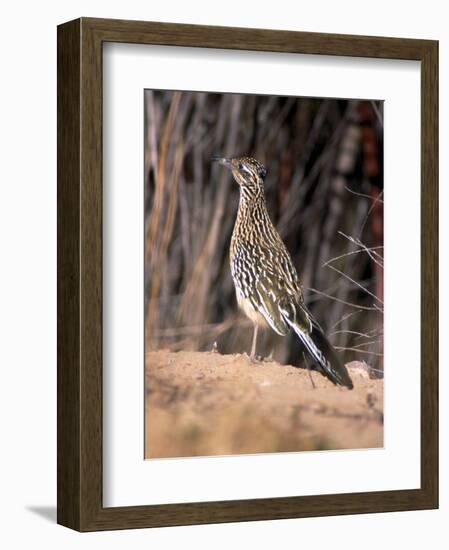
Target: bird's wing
x=264, y=274
x=258, y=278
x=265, y=300
x=277, y=281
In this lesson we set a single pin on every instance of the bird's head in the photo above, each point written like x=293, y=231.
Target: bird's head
x=248, y=172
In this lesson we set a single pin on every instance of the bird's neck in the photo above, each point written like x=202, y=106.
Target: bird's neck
x=250, y=203
x=252, y=214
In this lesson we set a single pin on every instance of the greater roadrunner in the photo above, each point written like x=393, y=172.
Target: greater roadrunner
x=266, y=282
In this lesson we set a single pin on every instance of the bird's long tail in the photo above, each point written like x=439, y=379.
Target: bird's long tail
x=317, y=344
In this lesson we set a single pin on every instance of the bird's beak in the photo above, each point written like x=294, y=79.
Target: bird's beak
x=223, y=161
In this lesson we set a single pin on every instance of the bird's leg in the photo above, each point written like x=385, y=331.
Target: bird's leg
x=253, y=346
x=309, y=371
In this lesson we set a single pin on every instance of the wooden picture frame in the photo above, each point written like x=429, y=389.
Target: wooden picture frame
x=80, y=504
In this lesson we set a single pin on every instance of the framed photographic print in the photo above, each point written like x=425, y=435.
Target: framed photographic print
x=247, y=274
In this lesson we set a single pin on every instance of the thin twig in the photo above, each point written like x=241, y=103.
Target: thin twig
x=359, y=351
x=377, y=113
x=351, y=254
x=359, y=334
x=377, y=199
x=355, y=282
x=370, y=251
x=361, y=194
x=358, y=306
x=345, y=317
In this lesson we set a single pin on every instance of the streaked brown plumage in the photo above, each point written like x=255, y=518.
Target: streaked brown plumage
x=267, y=285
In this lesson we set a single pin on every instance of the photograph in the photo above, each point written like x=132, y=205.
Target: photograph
x=263, y=281
x=229, y=346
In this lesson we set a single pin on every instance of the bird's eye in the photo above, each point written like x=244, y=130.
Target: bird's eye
x=240, y=166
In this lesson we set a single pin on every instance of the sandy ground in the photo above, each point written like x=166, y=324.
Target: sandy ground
x=200, y=404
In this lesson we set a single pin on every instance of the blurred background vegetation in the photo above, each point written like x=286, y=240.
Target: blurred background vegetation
x=324, y=191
